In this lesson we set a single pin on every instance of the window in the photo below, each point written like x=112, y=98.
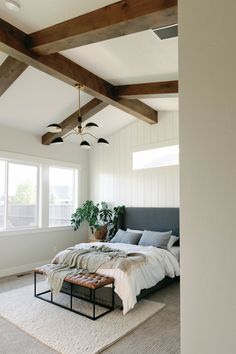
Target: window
x=18, y=195
x=22, y=208
x=2, y=194
x=61, y=195
x=35, y=195
x=159, y=157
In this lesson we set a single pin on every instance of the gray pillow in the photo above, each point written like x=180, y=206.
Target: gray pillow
x=126, y=237
x=155, y=238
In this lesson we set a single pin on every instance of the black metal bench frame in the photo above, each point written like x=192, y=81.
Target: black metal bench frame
x=92, y=299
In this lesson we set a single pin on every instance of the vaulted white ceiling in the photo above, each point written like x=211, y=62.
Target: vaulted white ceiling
x=36, y=99
x=37, y=14
x=136, y=58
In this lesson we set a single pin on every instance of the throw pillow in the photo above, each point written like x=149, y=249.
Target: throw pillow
x=155, y=238
x=126, y=237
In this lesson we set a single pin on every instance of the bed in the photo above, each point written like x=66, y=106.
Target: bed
x=161, y=268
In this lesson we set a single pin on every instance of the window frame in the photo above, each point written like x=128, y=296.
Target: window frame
x=6, y=195
x=42, y=192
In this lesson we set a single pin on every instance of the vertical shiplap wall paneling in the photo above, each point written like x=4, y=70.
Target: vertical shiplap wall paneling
x=134, y=179
x=111, y=175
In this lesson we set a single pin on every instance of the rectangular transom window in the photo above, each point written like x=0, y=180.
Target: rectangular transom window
x=159, y=157
x=61, y=195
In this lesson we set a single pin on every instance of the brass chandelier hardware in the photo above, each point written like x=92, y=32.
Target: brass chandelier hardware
x=79, y=130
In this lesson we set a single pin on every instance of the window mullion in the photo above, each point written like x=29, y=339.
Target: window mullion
x=38, y=197
x=75, y=194
x=6, y=196
x=44, y=196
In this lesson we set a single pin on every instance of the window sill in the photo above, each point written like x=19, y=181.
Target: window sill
x=34, y=231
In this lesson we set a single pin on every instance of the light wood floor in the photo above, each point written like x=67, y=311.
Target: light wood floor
x=158, y=335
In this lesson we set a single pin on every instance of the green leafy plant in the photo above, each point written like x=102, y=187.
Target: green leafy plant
x=117, y=213
x=98, y=217
x=116, y=216
x=105, y=214
x=89, y=212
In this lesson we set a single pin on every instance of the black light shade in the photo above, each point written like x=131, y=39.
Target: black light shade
x=85, y=145
x=58, y=140
x=54, y=128
x=102, y=141
x=90, y=125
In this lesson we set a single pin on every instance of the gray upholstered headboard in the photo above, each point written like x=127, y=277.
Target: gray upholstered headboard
x=156, y=219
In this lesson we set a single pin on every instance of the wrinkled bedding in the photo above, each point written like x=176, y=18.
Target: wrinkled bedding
x=129, y=281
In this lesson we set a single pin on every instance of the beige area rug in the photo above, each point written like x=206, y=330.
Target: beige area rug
x=67, y=332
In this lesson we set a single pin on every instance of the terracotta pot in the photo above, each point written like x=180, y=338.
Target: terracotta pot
x=100, y=234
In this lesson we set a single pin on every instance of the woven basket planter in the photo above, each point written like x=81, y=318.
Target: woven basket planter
x=100, y=234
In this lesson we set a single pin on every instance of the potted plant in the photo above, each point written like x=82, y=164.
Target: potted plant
x=105, y=218
x=89, y=212
x=100, y=220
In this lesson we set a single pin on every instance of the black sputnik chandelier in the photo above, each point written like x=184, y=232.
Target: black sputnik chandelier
x=80, y=130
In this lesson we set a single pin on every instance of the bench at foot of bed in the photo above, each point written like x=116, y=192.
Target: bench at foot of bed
x=91, y=281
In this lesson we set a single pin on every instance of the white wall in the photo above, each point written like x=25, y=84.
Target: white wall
x=22, y=251
x=208, y=176
x=112, y=178
x=25, y=251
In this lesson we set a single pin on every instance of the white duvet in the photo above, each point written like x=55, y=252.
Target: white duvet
x=159, y=263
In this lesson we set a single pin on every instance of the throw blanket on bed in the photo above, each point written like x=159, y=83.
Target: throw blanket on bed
x=80, y=260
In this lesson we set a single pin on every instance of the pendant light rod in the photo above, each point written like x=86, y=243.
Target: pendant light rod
x=79, y=100
x=80, y=129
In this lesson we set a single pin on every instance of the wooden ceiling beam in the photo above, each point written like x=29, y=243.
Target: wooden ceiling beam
x=138, y=106
x=13, y=42
x=145, y=90
x=10, y=70
x=88, y=110
x=115, y=20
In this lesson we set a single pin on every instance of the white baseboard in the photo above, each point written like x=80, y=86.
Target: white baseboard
x=21, y=269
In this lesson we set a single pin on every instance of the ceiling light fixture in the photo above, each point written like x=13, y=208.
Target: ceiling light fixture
x=85, y=144
x=57, y=141
x=13, y=5
x=81, y=131
x=54, y=128
x=90, y=125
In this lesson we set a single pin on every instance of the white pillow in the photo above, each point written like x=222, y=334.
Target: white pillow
x=171, y=242
x=136, y=231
